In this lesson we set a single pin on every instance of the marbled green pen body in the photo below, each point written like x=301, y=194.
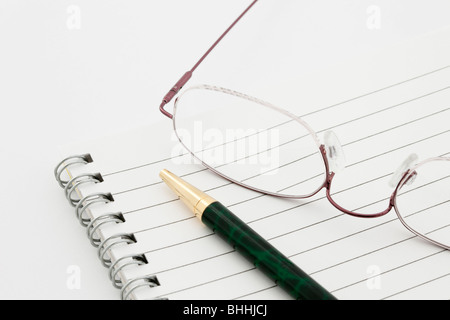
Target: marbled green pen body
x=247, y=242
x=262, y=254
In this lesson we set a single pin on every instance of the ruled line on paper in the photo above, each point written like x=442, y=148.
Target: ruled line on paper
x=417, y=286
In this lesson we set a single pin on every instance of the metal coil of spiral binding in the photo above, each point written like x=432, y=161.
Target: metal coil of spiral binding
x=133, y=284
x=96, y=223
x=74, y=183
x=68, y=162
x=122, y=263
x=86, y=202
x=109, y=243
x=83, y=205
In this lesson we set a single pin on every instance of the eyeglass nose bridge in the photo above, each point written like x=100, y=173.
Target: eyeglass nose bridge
x=327, y=186
x=352, y=213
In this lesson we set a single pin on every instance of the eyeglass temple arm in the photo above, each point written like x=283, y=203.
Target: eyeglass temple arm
x=185, y=78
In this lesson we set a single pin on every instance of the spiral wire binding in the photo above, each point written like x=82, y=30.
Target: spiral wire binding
x=133, y=284
x=88, y=201
x=109, y=243
x=81, y=205
x=74, y=183
x=127, y=260
x=96, y=223
x=66, y=163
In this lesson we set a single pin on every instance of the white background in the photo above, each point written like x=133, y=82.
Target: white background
x=73, y=70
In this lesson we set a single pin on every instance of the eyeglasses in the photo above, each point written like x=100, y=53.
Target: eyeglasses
x=264, y=148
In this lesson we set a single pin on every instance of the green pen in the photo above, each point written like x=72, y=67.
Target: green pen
x=246, y=241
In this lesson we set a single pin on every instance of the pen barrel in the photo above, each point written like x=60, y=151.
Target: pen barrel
x=262, y=254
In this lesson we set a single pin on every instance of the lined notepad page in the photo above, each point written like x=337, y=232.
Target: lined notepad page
x=383, y=109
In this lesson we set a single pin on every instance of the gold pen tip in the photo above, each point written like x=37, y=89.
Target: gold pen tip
x=163, y=174
x=195, y=199
x=173, y=181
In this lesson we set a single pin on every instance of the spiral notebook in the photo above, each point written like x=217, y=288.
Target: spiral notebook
x=382, y=108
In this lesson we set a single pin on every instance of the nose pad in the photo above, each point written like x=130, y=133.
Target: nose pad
x=335, y=153
x=405, y=166
x=412, y=177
